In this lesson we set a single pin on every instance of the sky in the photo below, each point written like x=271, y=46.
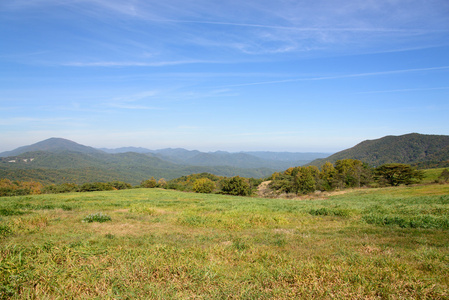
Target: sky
x=298, y=76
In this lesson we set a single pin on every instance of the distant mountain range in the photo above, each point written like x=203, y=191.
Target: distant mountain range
x=414, y=148
x=59, y=160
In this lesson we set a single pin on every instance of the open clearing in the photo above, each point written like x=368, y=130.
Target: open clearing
x=387, y=243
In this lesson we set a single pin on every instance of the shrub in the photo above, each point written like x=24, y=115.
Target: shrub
x=149, y=183
x=236, y=186
x=61, y=188
x=203, y=185
x=120, y=185
x=96, y=186
x=19, y=188
x=98, y=217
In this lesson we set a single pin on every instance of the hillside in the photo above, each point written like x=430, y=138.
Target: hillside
x=59, y=160
x=254, y=159
x=52, y=145
x=67, y=166
x=411, y=148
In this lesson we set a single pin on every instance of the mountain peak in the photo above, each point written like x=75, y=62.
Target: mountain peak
x=52, y=145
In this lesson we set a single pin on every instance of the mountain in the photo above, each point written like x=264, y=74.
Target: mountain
x=176, y=155
x=413, y=148
x=289, y=156
x=52, y=145
x=255, y=159
x=125, y=149
x=59, y=160
x=226, y=159
x=76, y=167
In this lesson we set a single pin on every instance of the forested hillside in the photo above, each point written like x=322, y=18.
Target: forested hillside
x=59, y=160
x=411, y=148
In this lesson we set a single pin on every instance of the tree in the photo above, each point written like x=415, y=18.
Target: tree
x=396, y=174
x=235, y=186
x=162, y=182
x=327, y=175
x=305, y=179
x=149, y=183
x=203, y=185
x=352, y=173
x=96, y=186
x=281, y=183
x=120, y=185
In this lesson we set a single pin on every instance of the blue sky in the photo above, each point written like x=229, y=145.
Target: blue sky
x=303, y=76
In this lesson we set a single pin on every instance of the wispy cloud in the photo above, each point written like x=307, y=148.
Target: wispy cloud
x=38, y=121
x=135, y=63
x=137, y=107
x=128, y=101
x=342, y=76
x=250, y=28
x=406, y=90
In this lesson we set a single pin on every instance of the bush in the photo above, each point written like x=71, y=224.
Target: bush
x=203, y=185
x=98, y=217
x=120, y=185
x=19, y=188
x=236, y=186
x=61, y=188
x=96, y=186
x=149, y=183
x=185, y=183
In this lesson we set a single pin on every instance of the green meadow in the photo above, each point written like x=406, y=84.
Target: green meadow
x=389, y=243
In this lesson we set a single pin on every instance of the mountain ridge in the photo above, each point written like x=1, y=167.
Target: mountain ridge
x=56, y=159
x=275, y=160
x=409, y=148
x=52, y=145
x=59, y=160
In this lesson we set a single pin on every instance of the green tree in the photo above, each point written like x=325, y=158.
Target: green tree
x=328, y=175
x=96, y=186
x=203, y=185
x=281, y=183
x=120, y=185
x=396, y=174
x=149, y=183
x=236, y=185
x=352, y=173
x=305, y=179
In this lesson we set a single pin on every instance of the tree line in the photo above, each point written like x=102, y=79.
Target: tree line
x=345, y=173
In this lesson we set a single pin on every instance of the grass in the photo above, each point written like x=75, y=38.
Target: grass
x=387, y=243
x=430, y=175
x=97, y=217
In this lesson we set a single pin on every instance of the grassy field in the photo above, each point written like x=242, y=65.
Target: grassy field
x=430, y=175
x=390, y=243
